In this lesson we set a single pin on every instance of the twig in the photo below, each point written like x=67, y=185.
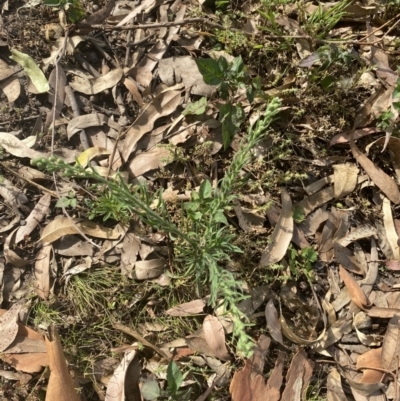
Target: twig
x=139, y=42
x=52, y=193
x=134, y=334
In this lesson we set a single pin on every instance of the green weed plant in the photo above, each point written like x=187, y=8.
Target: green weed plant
x=204, y=247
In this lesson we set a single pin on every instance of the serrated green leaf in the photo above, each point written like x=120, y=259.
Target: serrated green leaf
x=150, y=390
x=211, y=71
x=196, y=108
x=174, y=377
x=231, y=117
x=205, y=189
x=31, y=69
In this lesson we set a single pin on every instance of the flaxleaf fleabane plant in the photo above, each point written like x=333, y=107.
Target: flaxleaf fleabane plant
x=205, y=244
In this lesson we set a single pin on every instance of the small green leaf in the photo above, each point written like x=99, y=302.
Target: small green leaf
x=196, y=108
x=205, y=189
x=396, y=92
x=75, y=13
x=250, y=94
x=220, y=217
x=223, y=64
x=257, y=83
x=150, y=390
x=174, y=377
x=52, y=3
x=63, y=202
x=224, y=90
x=211, y=71
x=327, y=82
x=237, y=66
x=231, y=117
x=191, y=206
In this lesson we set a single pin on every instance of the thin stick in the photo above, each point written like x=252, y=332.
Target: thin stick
x=134, y=334
x=52, y=193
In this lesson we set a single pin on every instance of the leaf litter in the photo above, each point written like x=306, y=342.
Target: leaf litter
x=157, y=110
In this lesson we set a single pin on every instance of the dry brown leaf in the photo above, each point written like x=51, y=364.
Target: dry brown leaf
x=147, y=269
x=42, y=271
x=365, y=389
x=248, y=384
x=346, y=258
x=369, y=340
x=282, y=235
x=96, y=85
x=334, y=387
x=34, y=218
x=273, y=323
x=188, y=308
x=275, y=380
x=116, y=386
x=371, y=359
x=298, y=238
x=345, y=179
x=288, y=333
x=184, y=69
x=129, y=253
x=72, y=245
x=57, y=81
x=17, y=148
x=362, y=231
x=358, y=133
x=333, y=335
x=150, y=160
x=215, y=337
x=380, y=60
x=391, y=345
x=313, y=221
x=373, y=107
x=61, y=386
x=162, y=105
x=357, y=294
x=384, y=313
x=91, y=120
x=10, y=256
x=199, y=345
x=64, y=226
x=9, y=326
x=245, y=388
x=9, y=84
x=298, y=377
x=378, y=176
x=11, y=194
x=142, y=73
x=391, y=233
x=312, y=202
